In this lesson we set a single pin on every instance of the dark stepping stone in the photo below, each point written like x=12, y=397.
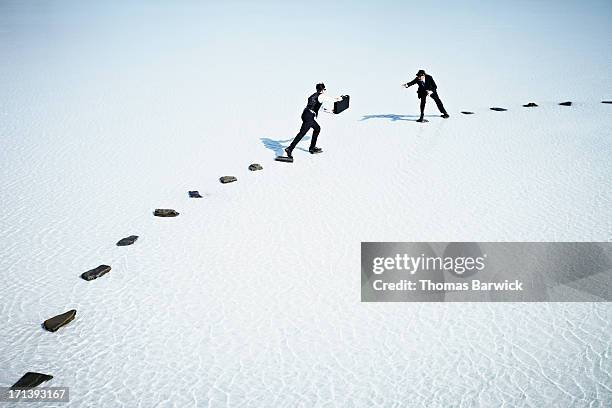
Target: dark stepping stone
x=96, y=272
x=31, y=380
x=165, y=213
x=467, y=112
x=499, y=109
x=255, y=167
x=127, y=240
x=530, y=105
x=284, y=159
x=606, y=101
x=58, y=321
x=227, y=179
x=195, y=194
x=568, y=103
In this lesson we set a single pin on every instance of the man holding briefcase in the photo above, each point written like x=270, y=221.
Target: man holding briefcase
x=309, y=115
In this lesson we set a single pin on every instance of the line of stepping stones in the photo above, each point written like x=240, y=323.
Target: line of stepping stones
x=33, y=379
x=528, y=105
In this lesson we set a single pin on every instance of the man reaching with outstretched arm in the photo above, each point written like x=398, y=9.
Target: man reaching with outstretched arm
x=426, y=86
x=309, y=115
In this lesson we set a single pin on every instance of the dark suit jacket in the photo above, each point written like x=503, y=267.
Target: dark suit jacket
x=429, y=85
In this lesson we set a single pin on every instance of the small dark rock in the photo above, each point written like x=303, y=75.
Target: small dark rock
x=530, y=105
x=195, y=194
x=606, y=101
x=96, y=272
x=499, y=109
x=58, y=321
x=467, y=112
x=127, y=240
x=165, y=213
x=568, y=103
x=255, y=167
x=31, y=380
x=227, y=179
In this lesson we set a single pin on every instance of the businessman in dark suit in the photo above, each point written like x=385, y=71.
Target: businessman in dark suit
x=426, y=86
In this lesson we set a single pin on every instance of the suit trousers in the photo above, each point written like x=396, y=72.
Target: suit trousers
x=308, y=121
x=436, y=99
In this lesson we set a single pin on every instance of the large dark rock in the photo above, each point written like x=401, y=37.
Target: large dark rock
x=58, y=321
x=467, y=112
x=499, y=109
x=530, y=105
x=161, y=212
x=568, y=103
x=96, y=272
x=127, y=240
x=31, y=380
x=227, y=179
x=255, y=167
x=284, y=159
x=195, y=194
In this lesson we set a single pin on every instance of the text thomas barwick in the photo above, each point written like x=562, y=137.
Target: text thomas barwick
x=428, y=285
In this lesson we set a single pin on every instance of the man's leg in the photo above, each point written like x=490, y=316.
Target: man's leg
x=436, y=98
x=315, y=134
x=306, y=124
x=422, y=107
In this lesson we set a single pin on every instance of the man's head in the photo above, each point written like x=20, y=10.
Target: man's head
x=320, y=87
x=421, y=74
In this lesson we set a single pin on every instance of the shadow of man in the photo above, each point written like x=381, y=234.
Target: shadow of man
x=393, y=117
x=277, y=145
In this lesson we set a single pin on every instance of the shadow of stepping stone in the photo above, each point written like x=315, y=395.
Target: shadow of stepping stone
x=530, y=105
x=96, y=272
x=568, y=103
x=606, y=101
x=127, y=240
x=162, y=212
x=255, y=167
x=58, y=321
x=194, y=194
x=227, y=179
x=467, y=112
x=499, y=109
x=31, y=380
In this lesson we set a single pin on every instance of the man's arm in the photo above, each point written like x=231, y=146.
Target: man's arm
x=328, y=99
x=409, y=84
x=433, y=84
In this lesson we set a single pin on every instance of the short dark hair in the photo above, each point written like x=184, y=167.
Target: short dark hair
x=320, y=87
x=421, y=72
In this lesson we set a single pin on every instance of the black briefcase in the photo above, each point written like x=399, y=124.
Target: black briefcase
x=342, y=105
